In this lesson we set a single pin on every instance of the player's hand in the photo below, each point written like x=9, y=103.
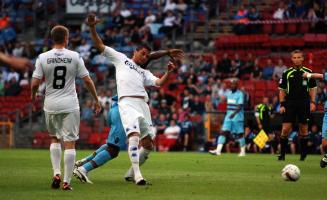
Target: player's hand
x=282, y=110
x=19, y=63
x=176, y=54
x=97, y=107
x=92, y=20
x=260, y=126
x=312, y=107
x=171, y=66
x=306, y=75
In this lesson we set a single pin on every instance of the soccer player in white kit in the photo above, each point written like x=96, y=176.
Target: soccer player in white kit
x=134, y=111
x=59, y=67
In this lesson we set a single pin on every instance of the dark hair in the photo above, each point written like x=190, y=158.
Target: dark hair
x=143, y=46
x=297, y=51
x=58, y=34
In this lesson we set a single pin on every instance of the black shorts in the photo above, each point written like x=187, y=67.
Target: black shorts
x=299, y=110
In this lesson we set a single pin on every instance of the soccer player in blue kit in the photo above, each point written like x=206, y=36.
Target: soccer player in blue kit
x=110, y=150
x=323, y=161
x=234, y=120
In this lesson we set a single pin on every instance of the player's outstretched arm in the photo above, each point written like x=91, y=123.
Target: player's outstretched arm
x=15, y=62
x=313, y=75
x=34, y=88
x=92, y=21
x=91, y=88
x=175, y=54
x=171, y=67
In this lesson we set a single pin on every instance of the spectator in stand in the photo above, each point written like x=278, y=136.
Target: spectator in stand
x=12, y=87
x=76, y=39
x=248, y=67
x=300, y=9
x=18, y=50
x=278, y=70
x=275, y=104
x=87, y=112
x=84, y=50
x=109, y=38
x=235, y=70
x=106, y=110
x=314, y=143
x=150, y=18
x=208, y=105
x=181, y=6
x=253, y=15
x=171, y=135
x=117, y=20
x=242, y=20
x=257, y=71
x=154, y=100
x=105, y=97
x=164, y=109
x=170, y=5
x=292, y=141
x=12, y=75
x=279, y=13
x=161, y=124
x=146, y=35
x=268, y=70
x=169, y=23
x=186, y=131
x=321, y=96
x=224, y=66
x=249, y=136
x=197, y=107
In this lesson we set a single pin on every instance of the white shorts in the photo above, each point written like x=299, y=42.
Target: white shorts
x=64, y=126
x=135, y=116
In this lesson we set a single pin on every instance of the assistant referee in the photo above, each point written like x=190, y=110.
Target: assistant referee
x=297, y=100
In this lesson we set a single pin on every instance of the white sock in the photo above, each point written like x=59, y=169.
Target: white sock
x=134, y=155
x=55, y=155
x=69, y=159
x=243, y=150
x=219, y=148
x=143, y=157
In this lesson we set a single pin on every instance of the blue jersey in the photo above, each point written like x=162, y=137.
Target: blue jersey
x=234, y=100
x=117, y=134
x=325, y=78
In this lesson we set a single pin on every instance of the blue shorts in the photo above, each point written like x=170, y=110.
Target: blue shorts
x=117, y=138
x=324, y=127
x=234, y=127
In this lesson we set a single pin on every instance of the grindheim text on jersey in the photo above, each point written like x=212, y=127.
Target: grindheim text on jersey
x=59, y=60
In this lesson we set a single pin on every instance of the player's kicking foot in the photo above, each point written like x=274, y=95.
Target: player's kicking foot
x=323, y=161
x=214, y=152
x=140, y=181
x=66, y=186
x=56, y=182
x=129, y=175
x=241, y=154
x=80, y=175
x=79, y=163
x=281, y=158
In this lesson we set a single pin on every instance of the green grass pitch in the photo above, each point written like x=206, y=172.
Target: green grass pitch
x=26, y=174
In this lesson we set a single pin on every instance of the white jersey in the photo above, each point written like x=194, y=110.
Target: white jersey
x=60, y=67
x=130, y=77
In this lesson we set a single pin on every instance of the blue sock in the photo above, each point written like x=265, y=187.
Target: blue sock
x=100, y=159
x=241, y=141
x=221, y=139
x=90, y=157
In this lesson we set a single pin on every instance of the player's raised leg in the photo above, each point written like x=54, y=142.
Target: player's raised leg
x=91, y=156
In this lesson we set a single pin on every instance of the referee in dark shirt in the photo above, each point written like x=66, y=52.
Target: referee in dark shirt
x=297, y=100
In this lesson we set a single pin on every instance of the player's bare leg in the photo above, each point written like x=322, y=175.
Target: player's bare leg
x=55, y=155
x=146, y=148
x=69, y=161
x=286, y=129
x=134, y=156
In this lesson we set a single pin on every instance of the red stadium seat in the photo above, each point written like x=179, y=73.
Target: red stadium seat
x=279, y=28
x=291, y=28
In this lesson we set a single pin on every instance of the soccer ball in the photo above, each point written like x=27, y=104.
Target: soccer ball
x=291, y=173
